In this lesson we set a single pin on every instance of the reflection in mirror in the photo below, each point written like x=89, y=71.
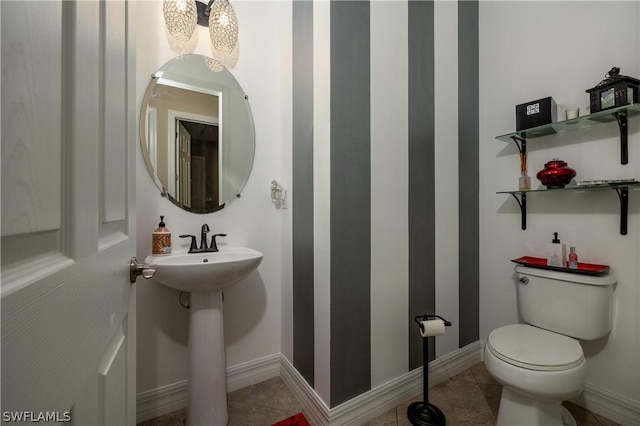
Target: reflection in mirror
x=197, y=135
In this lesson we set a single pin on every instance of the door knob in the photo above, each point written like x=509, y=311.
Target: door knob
x=144, y=269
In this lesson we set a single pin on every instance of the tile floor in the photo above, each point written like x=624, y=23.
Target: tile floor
x=469, y=398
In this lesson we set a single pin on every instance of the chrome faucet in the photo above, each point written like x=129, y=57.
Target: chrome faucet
x=203, y=237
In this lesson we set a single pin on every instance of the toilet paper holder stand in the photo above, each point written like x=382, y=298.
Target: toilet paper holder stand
x=426, y=317
x=422, y=413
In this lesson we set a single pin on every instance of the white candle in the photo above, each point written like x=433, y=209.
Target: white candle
x=572, y=112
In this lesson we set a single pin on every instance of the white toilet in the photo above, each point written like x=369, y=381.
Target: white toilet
x=541, y=363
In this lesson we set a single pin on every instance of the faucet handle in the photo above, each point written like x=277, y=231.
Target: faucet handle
x=193, y=248
x=214, y=246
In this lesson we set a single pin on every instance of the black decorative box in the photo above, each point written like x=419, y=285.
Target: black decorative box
x=536, y=113
x=614, y=91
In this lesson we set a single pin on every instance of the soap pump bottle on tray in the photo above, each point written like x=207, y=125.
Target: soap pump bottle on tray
x=556, y=252
x=573, y=258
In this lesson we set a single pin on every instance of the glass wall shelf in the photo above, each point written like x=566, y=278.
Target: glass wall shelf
x=598, y=187
x=622, y=189
x=579, y=123
x=618, y=114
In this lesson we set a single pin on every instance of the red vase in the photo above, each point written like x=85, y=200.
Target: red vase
x=556, y=174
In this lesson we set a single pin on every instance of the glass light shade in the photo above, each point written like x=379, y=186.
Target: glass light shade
x=223, y=27
x=181, y=18
x=182, y=47
x=228, y=60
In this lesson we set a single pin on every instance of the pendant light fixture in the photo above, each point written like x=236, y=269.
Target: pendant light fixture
x=181, y=18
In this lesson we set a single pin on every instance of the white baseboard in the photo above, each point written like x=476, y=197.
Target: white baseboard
x=163, y=400
x=371, y=404
x=252, y=372
x=606, y=403
x=314, y=407
x=160, y=401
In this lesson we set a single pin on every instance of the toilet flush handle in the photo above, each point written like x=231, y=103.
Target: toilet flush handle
x=524, y=280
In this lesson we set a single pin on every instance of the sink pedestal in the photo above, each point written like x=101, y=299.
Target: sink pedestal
x=204, y=275
x=207, y=366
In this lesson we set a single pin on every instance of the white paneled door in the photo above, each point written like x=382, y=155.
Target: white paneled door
x=68, y=212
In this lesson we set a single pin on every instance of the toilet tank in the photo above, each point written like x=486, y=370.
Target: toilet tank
x=576, y=305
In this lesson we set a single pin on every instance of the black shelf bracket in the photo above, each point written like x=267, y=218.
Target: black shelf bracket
x=522, y=202
x=521, y=143
x=624, y=132
x=623, y=195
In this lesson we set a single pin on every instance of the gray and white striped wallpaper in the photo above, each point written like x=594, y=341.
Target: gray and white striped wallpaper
x=421, y=162
x=469, y=170
x=350, y=102
x=385, y=133
x=302, y=189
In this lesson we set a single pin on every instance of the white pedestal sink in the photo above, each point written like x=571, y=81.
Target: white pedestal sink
x=204, y=275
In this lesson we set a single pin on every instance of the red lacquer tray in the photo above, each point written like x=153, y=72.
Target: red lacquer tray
x=583, y=268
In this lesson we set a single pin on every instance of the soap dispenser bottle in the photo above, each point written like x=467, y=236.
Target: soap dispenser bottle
x=556, y=252
x=161, y=240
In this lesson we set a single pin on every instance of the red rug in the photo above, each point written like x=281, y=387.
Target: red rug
x=297, y=420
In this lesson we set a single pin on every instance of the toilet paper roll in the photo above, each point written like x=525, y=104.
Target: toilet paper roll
x=432, y=328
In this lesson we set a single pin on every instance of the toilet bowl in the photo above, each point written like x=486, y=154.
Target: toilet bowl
x=538, y=369
x=541, y=363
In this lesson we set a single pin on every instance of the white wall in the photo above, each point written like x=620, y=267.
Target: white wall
x=252, y=310
x=530, y=50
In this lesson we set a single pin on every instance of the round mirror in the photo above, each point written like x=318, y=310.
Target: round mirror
x=197, y=134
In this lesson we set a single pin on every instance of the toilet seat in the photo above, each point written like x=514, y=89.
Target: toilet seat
x=534, y=348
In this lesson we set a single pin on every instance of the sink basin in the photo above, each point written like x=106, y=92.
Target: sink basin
x=205, y=272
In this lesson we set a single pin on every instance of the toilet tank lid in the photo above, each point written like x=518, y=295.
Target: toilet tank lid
x=567, y=276
x=534, y=348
